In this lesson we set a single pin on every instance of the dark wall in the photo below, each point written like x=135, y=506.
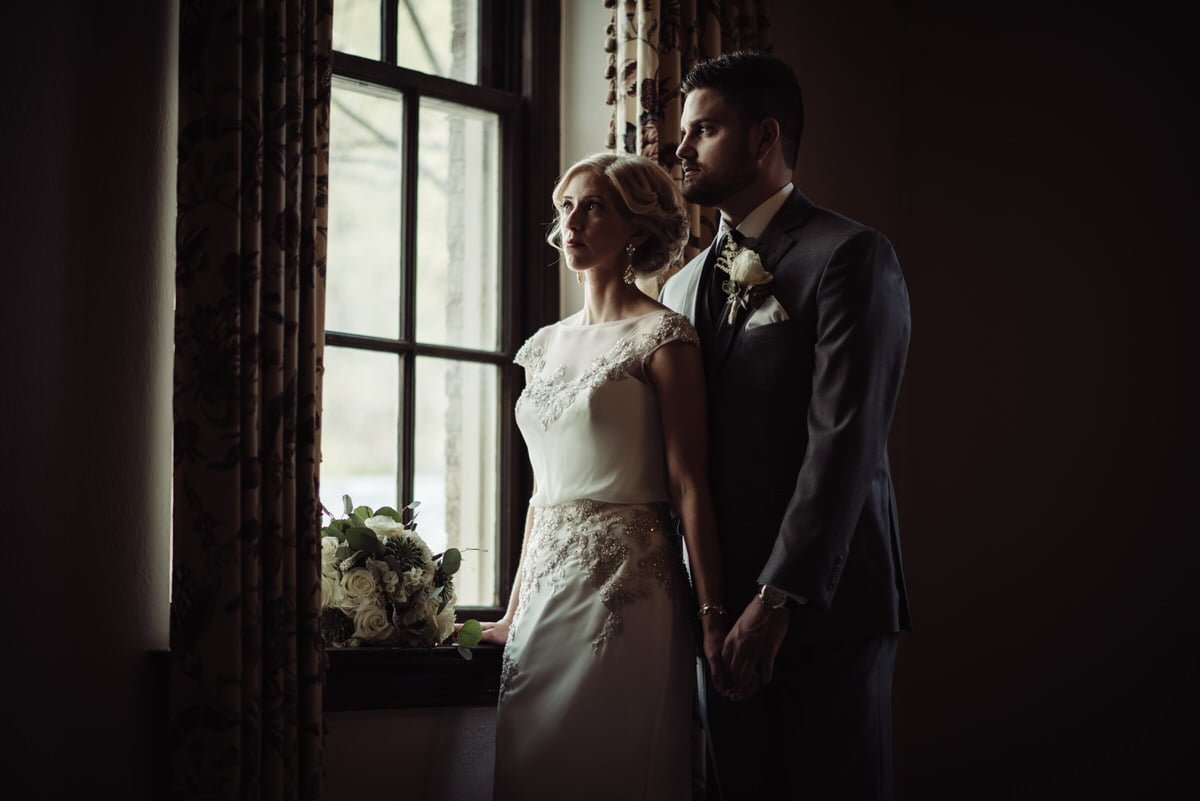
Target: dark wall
x=85, y=393
x=1034, y=166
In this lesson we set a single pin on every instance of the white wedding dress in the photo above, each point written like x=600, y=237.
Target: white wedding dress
x=598, y=673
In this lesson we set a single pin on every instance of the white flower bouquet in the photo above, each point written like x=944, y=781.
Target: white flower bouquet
x=381, y=585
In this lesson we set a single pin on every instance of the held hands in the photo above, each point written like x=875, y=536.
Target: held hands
x=750, y=649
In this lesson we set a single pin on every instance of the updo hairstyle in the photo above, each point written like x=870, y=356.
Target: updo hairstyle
x=649, y=199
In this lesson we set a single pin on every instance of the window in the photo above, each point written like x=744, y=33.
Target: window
x=435, y=127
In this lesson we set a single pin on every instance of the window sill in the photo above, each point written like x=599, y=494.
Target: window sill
x=397, y=678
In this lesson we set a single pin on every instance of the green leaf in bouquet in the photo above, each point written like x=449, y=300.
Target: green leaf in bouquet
x=465, y=653
x=341, y=526
x=363, y=539
x=356, y=521
x=363, y=512
x=451, y=561
x=348, y=504
x=390, y=512
x=470, y=634
x=330, y=531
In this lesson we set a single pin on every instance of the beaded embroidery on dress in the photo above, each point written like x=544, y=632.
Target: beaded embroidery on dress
x=600, y=657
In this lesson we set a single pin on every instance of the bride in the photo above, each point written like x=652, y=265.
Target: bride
x=599, y=663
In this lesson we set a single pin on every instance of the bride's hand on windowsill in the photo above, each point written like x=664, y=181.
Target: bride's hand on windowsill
x=494, y=633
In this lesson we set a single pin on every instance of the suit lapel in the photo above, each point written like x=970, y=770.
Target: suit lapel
x=777, y=239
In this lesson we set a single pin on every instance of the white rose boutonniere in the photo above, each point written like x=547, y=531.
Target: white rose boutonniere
x=745, y=273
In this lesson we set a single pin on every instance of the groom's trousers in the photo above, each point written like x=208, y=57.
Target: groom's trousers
x=821, y=730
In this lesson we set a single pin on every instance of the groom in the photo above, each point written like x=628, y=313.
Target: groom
x=804, y=351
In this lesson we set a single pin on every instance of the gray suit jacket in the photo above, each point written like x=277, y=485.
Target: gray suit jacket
x=800, y=402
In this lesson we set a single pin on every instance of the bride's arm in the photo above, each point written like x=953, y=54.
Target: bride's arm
x=497, y=633
x=677, y=374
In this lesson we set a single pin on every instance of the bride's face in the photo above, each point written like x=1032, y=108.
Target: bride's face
x=594, y=229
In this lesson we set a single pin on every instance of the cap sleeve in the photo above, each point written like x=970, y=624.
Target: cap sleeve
x=669, y=327
x=532, y=354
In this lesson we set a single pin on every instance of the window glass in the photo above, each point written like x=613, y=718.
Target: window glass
x=360, y=428
x=440, y=37
x=456, y=466
x=458, y=233
x=363, y=279
x=356, y=28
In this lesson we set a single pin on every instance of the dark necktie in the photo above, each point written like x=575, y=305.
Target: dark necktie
x=717, y=277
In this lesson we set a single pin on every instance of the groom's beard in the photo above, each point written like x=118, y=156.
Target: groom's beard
x=712, y=187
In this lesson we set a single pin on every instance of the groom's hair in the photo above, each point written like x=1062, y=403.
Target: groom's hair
x=758, y=86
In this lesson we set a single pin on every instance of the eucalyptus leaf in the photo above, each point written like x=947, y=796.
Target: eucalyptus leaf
x=465, y=653
x=363, y=512
x=390, y=512
x=470, y=634
x=349, y=504
x=363, y=539
x=451, y=561
x=356, y=521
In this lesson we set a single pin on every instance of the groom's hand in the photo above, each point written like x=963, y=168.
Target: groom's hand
x=751, y=647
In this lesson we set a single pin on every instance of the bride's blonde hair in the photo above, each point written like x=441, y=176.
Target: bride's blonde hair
x=650, y=200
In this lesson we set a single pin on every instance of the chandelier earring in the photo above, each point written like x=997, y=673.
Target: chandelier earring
x=629, y=276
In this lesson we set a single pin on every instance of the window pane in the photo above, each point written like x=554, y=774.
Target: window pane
x=440, y=37
x=356, y=27
x=360, y=428
x=363, y=291
x=456, y=464
x=458, y=230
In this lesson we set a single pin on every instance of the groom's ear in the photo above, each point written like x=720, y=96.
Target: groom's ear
x=768, y=134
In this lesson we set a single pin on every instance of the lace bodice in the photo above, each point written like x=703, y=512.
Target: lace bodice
x=589, y=417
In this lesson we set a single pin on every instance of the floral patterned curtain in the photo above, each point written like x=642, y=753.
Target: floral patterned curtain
x=246, y=651
x=651, y=45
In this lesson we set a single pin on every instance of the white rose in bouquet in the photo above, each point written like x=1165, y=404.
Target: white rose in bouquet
x=385, y=526
x=359, y=586
x=331, y=587
x=371, y=624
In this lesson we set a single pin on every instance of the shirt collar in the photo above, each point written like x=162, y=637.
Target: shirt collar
x=757, y=221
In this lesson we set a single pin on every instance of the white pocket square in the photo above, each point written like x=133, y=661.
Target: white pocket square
x=767, y=312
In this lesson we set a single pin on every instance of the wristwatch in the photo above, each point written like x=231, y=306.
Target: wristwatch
x=772, y=597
